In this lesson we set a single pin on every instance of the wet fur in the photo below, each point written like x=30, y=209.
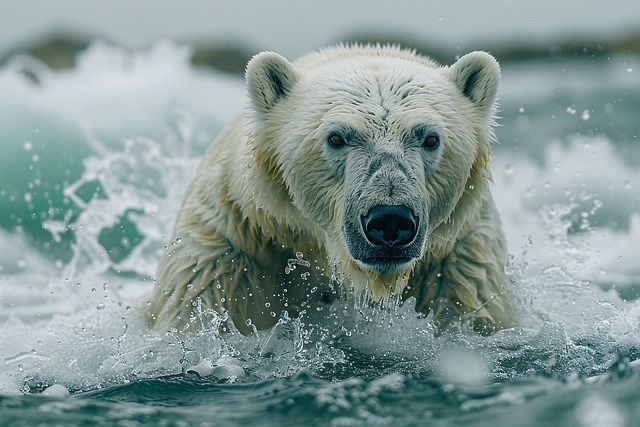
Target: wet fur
x=268, y=188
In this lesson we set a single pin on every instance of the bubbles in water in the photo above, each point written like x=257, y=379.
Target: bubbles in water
x=292, y=263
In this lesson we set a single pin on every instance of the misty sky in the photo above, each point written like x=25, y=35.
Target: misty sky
x=295, y=26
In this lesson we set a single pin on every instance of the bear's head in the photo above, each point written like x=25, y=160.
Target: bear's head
x=377, y=153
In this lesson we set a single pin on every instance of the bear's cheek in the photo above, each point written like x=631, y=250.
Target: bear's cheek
x=317, y=192
x=444, y=189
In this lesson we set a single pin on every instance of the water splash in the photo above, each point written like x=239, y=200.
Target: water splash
x=297, y=261
x=66, y=329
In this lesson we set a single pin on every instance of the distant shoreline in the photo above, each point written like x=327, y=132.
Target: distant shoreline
x=58, y=51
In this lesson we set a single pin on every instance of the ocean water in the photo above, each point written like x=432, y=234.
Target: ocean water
x=94, y=162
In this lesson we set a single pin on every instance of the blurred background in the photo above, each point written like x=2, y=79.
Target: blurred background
x=226, y=33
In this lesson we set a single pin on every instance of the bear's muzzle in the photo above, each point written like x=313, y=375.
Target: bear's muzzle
x=390, y=226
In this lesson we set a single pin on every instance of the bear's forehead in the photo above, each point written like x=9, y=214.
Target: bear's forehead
x=377, y=80
x=379, y=92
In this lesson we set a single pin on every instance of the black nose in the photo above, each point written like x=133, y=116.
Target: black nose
x=390, y=225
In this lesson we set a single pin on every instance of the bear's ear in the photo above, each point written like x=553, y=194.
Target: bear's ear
x=477, y=75
x=270, y=77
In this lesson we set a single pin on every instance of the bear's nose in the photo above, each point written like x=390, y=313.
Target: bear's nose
x=390, y=225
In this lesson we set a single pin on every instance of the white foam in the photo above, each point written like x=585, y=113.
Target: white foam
x=82, y=326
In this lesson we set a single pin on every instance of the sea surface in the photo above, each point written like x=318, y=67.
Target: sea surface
x=94, y=161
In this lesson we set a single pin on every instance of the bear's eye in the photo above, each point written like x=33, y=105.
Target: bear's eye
x=431, y=142
x=335, y=140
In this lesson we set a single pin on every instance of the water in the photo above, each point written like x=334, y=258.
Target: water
x=94, y=164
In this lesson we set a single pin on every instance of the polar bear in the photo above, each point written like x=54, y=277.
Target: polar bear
x=364, y=166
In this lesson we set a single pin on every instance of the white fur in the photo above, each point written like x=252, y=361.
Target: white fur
x=271, y=186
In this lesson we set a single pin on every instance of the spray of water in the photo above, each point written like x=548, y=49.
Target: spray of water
x=82, y=325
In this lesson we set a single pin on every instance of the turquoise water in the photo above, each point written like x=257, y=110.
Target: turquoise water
x=94, y=164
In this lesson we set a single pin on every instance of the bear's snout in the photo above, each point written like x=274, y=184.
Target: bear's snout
x=390, y=226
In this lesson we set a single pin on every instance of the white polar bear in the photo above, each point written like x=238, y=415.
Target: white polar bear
x=372, y=161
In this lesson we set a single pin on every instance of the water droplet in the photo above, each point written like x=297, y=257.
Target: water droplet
x=586, y=115
x=509, y=169
x=629, y=70
x=100, y=306
x=529, y=192
x=571, y=110
x=293, y=262
x=608, y=108
x=28, y=145
x=267, y=304
x=520, y=110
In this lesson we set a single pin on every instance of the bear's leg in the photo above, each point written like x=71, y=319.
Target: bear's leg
x=468, y=285
x=212, y=276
